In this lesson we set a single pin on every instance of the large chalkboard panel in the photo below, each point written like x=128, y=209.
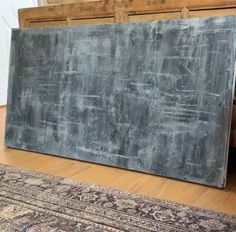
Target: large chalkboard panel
x=154, y=97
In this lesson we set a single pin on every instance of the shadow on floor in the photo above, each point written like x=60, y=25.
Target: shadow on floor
x=232, y=161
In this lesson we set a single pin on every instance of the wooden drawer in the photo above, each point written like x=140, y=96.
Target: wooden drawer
x=90, y=21
x=159, y=16
x=47, y=23
x=215, y=12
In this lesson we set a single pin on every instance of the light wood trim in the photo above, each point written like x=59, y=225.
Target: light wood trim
x=159, y=16
x=185, y=13
x=119, y=9
x=89, y=21
x=214, y=12
x=121, y=16
x=48, y=23
x=70, y=1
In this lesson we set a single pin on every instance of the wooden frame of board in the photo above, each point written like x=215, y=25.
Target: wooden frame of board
x=108, y=11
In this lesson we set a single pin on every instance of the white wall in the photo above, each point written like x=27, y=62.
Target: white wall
x=8, y=20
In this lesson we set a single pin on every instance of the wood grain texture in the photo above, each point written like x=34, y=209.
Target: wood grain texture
x=111, y=8
x=70, y=1
x=214, y=12
x=48, y=23
x=159, y=16
x=74, y=22
x=153, y=97
x=164, y=188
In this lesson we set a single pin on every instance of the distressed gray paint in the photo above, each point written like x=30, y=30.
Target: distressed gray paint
x=154, y=96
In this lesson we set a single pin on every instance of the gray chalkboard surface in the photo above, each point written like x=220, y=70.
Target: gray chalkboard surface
x=154, y=96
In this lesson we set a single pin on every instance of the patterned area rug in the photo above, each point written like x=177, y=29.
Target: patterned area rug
x=35, y=202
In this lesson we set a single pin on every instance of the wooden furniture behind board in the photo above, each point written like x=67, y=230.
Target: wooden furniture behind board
x=109, y=11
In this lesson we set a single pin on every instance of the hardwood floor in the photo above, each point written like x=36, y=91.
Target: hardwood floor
x=164, y=188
